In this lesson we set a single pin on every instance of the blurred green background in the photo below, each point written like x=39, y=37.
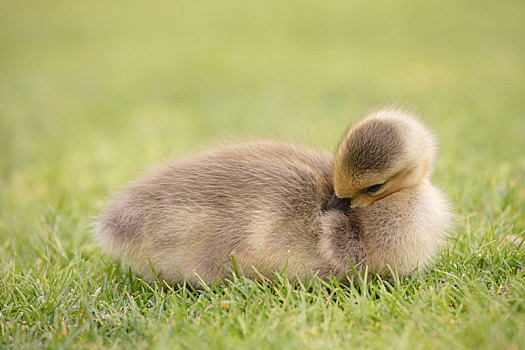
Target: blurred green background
x=92, y=93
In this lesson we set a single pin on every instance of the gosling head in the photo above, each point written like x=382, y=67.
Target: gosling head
x=387, y=151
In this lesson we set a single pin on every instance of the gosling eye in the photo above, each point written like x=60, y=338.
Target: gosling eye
x=373, y=188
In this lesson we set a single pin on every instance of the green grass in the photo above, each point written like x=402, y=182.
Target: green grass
x=92, y=93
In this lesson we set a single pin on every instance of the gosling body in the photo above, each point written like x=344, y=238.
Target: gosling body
x=267, y=203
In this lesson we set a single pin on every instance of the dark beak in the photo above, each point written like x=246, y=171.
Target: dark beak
x=336, y=203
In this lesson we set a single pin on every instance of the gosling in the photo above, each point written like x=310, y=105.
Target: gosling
x=275, y=206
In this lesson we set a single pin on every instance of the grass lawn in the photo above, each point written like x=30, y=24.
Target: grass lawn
x=93, y=93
